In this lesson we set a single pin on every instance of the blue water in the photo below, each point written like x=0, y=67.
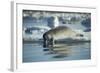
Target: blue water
x=34, y=52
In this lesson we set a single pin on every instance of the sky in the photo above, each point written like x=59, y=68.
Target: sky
x=52, y=19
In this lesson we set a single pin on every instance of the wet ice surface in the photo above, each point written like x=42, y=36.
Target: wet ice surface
x=34, y=52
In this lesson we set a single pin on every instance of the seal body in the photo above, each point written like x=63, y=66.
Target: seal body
x=60, y=32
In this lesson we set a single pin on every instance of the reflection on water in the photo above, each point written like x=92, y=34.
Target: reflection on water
x=60, y=52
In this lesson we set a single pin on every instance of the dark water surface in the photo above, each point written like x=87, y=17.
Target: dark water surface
x=34, y=52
